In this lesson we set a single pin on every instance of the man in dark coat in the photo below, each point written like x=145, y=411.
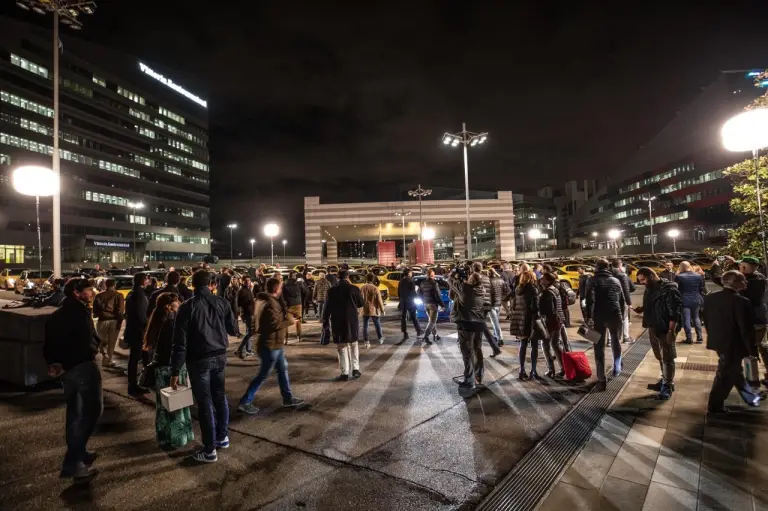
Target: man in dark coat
x=341, y=316
x=755, y=293
x=246, y=302
x=136, y=305
x=406, y=292
x=617, y=270
x=223, y=283
x=294, y=291
x=172, y=285
x=583, y=278
x=730, y=333
x=467, y=312
x=692, y=290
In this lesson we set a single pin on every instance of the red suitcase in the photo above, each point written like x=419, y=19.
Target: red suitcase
x=576, y=366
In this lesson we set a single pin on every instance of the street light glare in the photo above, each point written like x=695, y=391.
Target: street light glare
x=673, y=233
x=285, y=241
x=232, y=226
x=271, y=230
x=614, y=233
x=35, y=181
x=534, y=234
x=747, y=131
x=136, y=205
x=252, y=241
x=594, y=233
x=446, y=140
x=428, y=233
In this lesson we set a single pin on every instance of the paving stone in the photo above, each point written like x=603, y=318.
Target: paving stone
x=588, y=470
x=718, y=491
x=620, y=495
x=604, y=442
x=635, y=463
x=679, y=472
x=668, y=498
x=566, y=496
x=646, y=435
x=681, y=446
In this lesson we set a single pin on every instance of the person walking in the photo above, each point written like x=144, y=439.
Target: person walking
x=605, y=309
x=223, y=282
x=551, y=310
x=755, y=293
x=627, y=287
x=728, y=317
x=200, y=341
x=406, y=292
x=508, y=275
x=309, y=301
x=135, y=323
x=271, y=320
x=692, y=289
x=320, y=293
x=172, y=429
x=293, y=294
x=231, y=294
x=525, y=311
x=245, y=301
x=662, y=314
x=467, y=313
x=341, y=317
x=373, y=307
x=69, y=350
x=172, y=285
x=429, y=292
x=497, y=298
x=109, y=311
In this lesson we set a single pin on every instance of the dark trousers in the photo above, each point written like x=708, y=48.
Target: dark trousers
x=309, y=304
x=82, y=391
x=207, y=378
x=665, y=351
x=135, y=355
x=246, y=345
x=729, y=375
x=533, y=341
x=471, y=345
x=411, y=310
x=615, y=327
x=236, y=313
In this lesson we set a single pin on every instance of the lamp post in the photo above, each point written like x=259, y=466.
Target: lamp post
x=272, y=230
x=135, y=206
x=554, y=238
x=38, y=182
x=614, y=234
x=252, y=242
x=748, y=131
x=420, y=193
x=231, y=228
x=466, y=138
x=674, y=233
x=67, y=12
x=650, y=220
x=402, y=214
x=534, y=235
x=285, y=242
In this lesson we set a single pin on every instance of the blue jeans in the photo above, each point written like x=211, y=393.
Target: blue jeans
x=246, y=345
x=82, y=391
x=688, y=313
x=269, y=359
x=376, y=324
x=207, y=380
x=495, y=323
x=613, y=326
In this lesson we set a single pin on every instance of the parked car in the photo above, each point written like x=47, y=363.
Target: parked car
x=358, y=280
x=31, y=280
x=391, y=280
x=9, y=276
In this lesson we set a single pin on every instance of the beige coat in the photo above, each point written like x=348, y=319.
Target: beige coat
x=374, y=305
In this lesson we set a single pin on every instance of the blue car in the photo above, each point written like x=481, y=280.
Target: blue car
x=442, y=283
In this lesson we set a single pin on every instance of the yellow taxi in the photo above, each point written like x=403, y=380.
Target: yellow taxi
x=570, y=274
x=631, y=271
x=358, y=280
x=29, y=280
x=391, y=281
x=9, y=276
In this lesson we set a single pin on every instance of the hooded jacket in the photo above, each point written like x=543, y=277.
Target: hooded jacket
x=429, y=291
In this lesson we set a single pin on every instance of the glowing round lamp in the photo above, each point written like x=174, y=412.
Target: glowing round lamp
x=614, y=233
x=271, y=230
x=428, y=233
x=35, y=181
x=747, y=131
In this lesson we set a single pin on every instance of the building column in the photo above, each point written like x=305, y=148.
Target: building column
x=314, y=244
x=333, y=251
x=460, y=247
x=505, y=239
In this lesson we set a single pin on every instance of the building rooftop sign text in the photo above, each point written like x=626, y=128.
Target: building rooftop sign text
x=173, y=85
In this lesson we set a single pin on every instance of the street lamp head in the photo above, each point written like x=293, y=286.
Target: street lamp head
x=323, y=241
x=271, y=230
x=673, y=233
x=534, y=234
x=136, y=205
x=747, y=131
x=428, y=234
x=447, y=138
x=614, y=234
x=285, y=242
x=232, y=226
x=23, y=5
x=35, y=181
x=252, y=241
x=594, y=233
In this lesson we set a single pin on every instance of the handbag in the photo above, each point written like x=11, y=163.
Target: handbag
x=147, y=377
x=540, y=328
x=589, y=334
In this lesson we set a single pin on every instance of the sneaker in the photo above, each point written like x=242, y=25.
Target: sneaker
x=561, y=374
x=496, y=354
x=293, y=403
x=342, y=377
x=467, y=384
x=617, y=367
x=356, y=374
x=381, y=341
x=436, y=337
x=248, y=354
x=81, y=473
x=698, y=341
x=501, y=343
x=628, y=340
x=523, y=376
x=405, y=336
x=535, y=376
x=138, y=392
x=427, y=341
x=718, y=411
x=687, y=341
x=599, y=386
x=656, y=386
x=224, y=444
x=204, y=457
x=664, y=394
x=367, y=345
x=247, y=409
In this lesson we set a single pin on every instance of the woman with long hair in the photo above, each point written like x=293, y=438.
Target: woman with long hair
x=525, y=310
x=173, y=429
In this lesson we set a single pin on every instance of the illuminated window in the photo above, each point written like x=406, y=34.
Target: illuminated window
x=182, y=159
x=173, y=169
x=145, y=131
x=80, y=89
x=141, y=115
x=144, y=161
x=20, y=102
x=179, y=145
x=138, y=219
x=99, y=81
x=29, y=66
x=130, y=95
x=171, y=115
x=104, y=198
x=5, y=159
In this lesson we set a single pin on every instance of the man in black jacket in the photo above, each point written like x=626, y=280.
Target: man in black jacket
x=617, y=270
x=225, y=279
x=730, y=333
x=340, y=316
x=755, y=293
x=200, y=340
x=468, y=297
x=406, y=291
x=136, y=305
x=245, y=300
x=172, y=285
x=70, y=348
x=429, y=292
x=605, y=309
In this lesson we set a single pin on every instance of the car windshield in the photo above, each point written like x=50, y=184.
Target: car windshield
x=36, y=274
x=356, y=278
x=441, y=283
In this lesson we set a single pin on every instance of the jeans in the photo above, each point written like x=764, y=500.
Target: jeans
x=492, y=340
x=409, y=309
x=135, y=354
x=82, y=391
x=107, y=330
x=376, y=324
x=495, y=323
x=688, y=314
x=665, y=351
x=471, y=345
x=349, y=354
x=431, y=310
x=246, y=345
x=207, y=379
x=614, y=326
x=270, y=359
x=320, y=309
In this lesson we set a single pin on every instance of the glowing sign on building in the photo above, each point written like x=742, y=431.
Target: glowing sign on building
x=173, y=85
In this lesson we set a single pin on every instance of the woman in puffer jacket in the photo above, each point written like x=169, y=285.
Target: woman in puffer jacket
x=525, y=310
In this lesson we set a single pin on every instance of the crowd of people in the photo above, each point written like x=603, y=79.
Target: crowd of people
x=180, y=336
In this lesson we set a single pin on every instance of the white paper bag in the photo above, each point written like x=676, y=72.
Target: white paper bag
x=173, y=400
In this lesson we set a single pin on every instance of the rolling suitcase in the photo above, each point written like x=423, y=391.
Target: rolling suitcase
x=576, y=366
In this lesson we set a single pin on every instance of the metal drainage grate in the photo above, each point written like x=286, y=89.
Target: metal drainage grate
x=530, y=480
x=692, y=366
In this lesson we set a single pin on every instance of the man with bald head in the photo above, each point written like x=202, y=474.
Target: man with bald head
x=692, y=290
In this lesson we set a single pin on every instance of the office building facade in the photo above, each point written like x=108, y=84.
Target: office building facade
x=129, y=133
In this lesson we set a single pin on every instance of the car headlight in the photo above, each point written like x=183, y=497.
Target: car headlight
x=12, y=282
x=30, y=285
x=418, y=301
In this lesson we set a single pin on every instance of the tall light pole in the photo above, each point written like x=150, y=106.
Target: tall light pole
x=466, y=138
x=272, y=230
x=748, y=131
x=650, y=220
x=554, y=238
x=231, y=228
x=252, y=242
x=135, y=206
x=614, y=234
x=534, y=235
x=67, y=11
x=285, y=242
x=674, y=233
x=420, y=193
x=402, y=214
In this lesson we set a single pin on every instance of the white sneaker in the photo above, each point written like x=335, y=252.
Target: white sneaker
x=381, y=341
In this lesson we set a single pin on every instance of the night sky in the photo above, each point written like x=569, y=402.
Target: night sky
x=348, y=101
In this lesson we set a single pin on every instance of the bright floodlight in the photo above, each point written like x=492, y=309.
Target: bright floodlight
x=534, y=234
x=252, y=241
x=271, y=230
x=35, y=181
x=446, y=140
x=136, y=205
x=323, y=241
x=285, y=241
x=747, y=131
x=232, y=226
x=614, y=233
x=594, y=233
x=673, y=233
x=482, y=139
x=428, y=233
